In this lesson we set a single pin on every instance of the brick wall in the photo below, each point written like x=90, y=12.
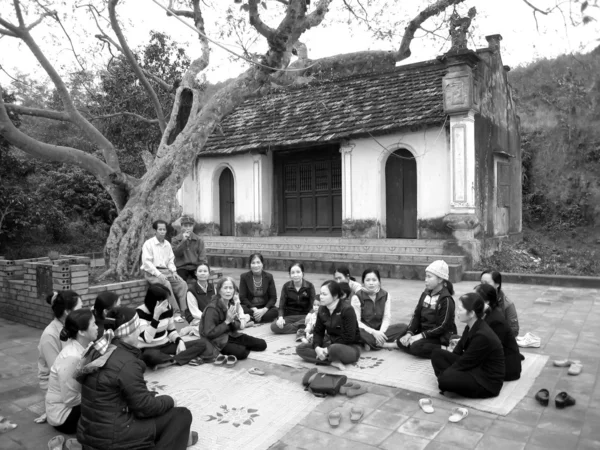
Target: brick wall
x=21, y=301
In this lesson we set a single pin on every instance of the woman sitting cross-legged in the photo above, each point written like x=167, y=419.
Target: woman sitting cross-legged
x=296, y=301
x=372, y=305
x=476, y=366
x=257, y=291
x=494, y=317
x=160, y=342
x=105, y=301
x=220, y=323
x=494, y=278
x=200, y=293
x=63, y=399
x=432, y=323
x=118, y=412
x=336, y=336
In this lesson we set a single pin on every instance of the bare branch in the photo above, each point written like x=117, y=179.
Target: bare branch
x=17, y=5
x=316, y=17
x=256, y=21
x=38, y=112
x=199, y=64
x=9, y=26
x=125, y=113
x=7, y=33
x=112, y=4
x=42, y=17
x=416, y=22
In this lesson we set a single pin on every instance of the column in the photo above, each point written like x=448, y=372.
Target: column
x=257, y=187
x=346, y=151
x=462, y=156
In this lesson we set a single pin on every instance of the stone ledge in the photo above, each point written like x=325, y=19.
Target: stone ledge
x=537, y=278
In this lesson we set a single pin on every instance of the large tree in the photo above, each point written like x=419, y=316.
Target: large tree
x=186, y=128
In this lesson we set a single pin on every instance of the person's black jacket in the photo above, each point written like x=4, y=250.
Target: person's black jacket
x=212, y=324
x=341, y=325
x=480, y=353
x=444, y=326
x=247, y=297
x=294, y=303
x=115, y=404
x=202, y=298
x=512, y=357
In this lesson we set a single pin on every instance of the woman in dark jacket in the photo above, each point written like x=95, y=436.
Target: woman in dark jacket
x=295, y=302
x=118, y=412
x=200, y=293
x=432, y=323
x=105, y=301
x=257, y=291
x=476, y=366
x=336, y=336
x=220, y=323
x=494, y=317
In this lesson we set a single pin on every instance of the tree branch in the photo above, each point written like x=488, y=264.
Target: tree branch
x=201, y=63
x=17, y=5
x=125, y=113
x=316, y=17
x=134, y=64
x=6, y=24
x=38, y=112
x=256, y=21
x=7, y=33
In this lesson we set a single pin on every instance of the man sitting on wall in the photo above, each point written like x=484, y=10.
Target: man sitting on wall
x=158, y=265
x=188, y=249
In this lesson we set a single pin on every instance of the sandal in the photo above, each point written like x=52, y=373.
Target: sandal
x=196, y=362
x=564, y=362
x=73, y=444
x=356, y=414
x=256, y=371
x=543, y=397
x=335, y=417
x=193, y=439
x=356, y=390
x=56, y=443
x=231, y=360
x=6, y=425
x=220, y=360
x=344, y=389
x=458, y=414
x=575, y=368
x=426, y=405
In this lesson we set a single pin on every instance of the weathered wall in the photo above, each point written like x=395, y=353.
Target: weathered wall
x=497, y=142
x=22, y=302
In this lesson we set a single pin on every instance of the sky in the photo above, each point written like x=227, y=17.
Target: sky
x=513, y=19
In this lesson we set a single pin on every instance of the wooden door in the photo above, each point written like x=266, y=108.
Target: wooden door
x=226, y=203
x=401, y=195
x=310, y=193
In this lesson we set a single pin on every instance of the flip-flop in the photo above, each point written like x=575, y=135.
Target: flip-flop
x=543, y=397
x=196, y=362
x=564, y=362
x=458, y=414
x=6, y=425
x=356, y=390
x=344, y=389
x=231, y=360
x=41, y=419
x=575, y=368
x=56, y=443
x=256, y=371
x=193, y=439
x=426, y=405
x=73, y=444
x=356, y=414
x=220, y=360
x=563, y=400
x=335, y=417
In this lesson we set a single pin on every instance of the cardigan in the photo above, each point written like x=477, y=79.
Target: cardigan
x=247, y=297
x=373, y=315
x=510, y=312
x=480, y=353
x=49, y=347
x=340, y=324
x=294, y=302
x=512, y=357
x=442, y=326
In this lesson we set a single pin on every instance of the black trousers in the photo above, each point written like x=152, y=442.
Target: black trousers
x=187, y=275
x=154, y=356
x=457, y=381
x=421, y=348
x=271, y=314
x=173, y=429
x=240, y=346
x=70, y=424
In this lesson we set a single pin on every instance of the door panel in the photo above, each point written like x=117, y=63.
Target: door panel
x=401, y=195
x=226, y=203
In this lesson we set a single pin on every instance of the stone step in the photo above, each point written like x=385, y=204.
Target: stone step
x=387, y=269
x=284, y=241
x=358, y=255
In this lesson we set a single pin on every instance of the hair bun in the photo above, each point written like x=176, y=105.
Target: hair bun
x=64, y=335
x=110, y=323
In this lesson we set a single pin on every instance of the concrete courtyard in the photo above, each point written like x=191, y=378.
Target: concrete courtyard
x=567, y=320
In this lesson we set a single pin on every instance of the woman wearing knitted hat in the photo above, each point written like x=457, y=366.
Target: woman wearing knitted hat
x=432, y=323
x=118, y=412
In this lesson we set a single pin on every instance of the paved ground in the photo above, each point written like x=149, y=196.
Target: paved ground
x=568, y=321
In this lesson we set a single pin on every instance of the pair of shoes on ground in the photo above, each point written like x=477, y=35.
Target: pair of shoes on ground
x=335, y=417
x=457, y=415
x=352, y=389
x=575, y=366
x=6, y=425
x=57, y=442
x=530, y=340
x=562, y=400
x=225, y=360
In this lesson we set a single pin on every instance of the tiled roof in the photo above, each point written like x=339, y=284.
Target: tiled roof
x=331, y=111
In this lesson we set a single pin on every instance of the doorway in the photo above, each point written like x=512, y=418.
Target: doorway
x=401, y=195
x=226, y=203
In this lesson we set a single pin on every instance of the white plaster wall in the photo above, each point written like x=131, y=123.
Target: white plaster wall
x=200, y=191
x=431, y=150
